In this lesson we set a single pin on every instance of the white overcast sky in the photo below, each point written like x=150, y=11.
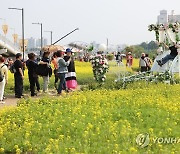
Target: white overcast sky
x=122, y=21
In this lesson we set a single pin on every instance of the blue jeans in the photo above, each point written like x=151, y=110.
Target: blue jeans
x=167, y=58
x=62, y=83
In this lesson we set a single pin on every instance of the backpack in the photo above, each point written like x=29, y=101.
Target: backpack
x=44, y=70
x=12, y=69
x=1, y=75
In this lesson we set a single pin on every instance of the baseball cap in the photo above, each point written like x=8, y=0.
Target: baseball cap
x=68, y=50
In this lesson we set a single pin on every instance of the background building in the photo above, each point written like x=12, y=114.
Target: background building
x=163, y=17
x=173, y=18
x=31, y=43
x=35, y=44
x=38, y=42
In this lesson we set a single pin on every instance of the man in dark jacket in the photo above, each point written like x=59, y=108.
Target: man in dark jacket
x=32, y=65
x=36, y=77
x=18, y=76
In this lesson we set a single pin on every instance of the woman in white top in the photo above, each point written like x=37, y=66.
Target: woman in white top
x=4, y=71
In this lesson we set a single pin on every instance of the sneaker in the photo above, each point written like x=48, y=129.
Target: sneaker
x=2, y=102
x=159, y=63
x=40, y=91
x=67, y=90
x=59, y=94
x=32, y=95
x=18, y=96
x=4, y=98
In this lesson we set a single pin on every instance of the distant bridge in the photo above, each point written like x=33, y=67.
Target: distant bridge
x=12, y=50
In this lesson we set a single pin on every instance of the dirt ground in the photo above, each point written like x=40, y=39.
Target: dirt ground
x=11, y=101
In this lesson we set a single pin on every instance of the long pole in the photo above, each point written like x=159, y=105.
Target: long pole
x=107, y=44
x=22, y=10
x=23, y=32
x=51, y=37
x=65, y=36
x=41, y=38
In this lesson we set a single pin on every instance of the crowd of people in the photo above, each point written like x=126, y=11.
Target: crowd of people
x=64, y=73
x=64, y=70
x=144, y=61
x=129, y=58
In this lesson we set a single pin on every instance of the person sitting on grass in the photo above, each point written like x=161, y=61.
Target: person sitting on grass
x=171, y=56
x=4, y=73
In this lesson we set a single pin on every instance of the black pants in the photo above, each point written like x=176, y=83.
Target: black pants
x=32, y=82
x=56, y=76
x=18, y=85
x=148, y=68
x=37, y=83
x=143, y=68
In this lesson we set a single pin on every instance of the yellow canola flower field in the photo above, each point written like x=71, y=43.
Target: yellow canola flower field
x=99, y=121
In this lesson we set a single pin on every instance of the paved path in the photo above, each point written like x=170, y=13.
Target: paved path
x=11, y=101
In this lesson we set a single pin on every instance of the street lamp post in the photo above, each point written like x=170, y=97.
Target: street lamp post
x=51, y=35
x=107, y=44
x=22, y=11
x=41, y=34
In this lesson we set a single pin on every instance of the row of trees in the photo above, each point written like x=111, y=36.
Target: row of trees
x=137, y=50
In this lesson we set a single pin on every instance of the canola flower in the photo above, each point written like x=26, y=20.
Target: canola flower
x=99, y=121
